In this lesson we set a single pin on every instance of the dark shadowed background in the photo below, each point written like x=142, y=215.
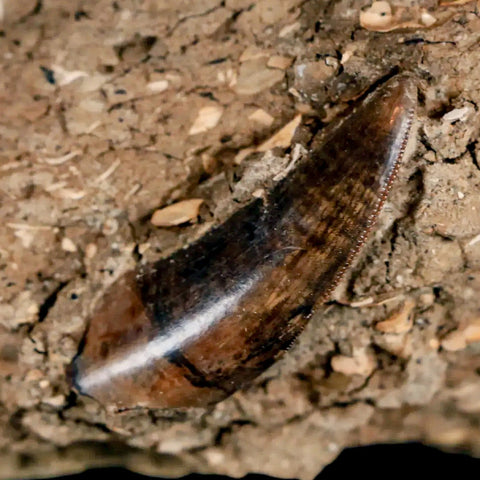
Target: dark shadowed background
x=373, y=462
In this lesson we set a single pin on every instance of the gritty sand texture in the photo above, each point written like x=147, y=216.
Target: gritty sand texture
x=112, y=110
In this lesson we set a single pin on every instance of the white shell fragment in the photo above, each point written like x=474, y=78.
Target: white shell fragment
x=62, y=159
x=207, y=118
x=158, y=86
x=65, y=77
x=459, y=114
x=377, y=17
x=381, y=17
x=448, y=3
x=177, y=213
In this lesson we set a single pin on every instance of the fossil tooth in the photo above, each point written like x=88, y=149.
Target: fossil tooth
x=192, y=328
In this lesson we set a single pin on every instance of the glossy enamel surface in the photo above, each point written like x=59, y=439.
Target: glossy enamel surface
x=192, y=328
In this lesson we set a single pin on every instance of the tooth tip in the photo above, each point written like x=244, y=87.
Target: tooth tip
x=405, y=88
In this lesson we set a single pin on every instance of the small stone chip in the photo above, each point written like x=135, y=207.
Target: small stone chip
x=143, y=248
x=242, y=154
x=251, y=53
x=427, y=19
x=158, y=86
x=110, y=226
x=254, y=77
x=209, y=163
x=68, y=245
x=69, y=194
x=361, y=363
x=467, y=397
x=90, y=250
x=472, y=332
x=459, y=114
x=280, y=62
x=177, y=213
x=55, y=401
x=207, y=118
x=34, y=375
x=474, y=241
x=461, y=338
x=262, y=117
x=283, y=138
x=289, y=29
x=65, y=77
x=13, y=11
x=400, y=321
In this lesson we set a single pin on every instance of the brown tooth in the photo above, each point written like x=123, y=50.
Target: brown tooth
x=192, y=328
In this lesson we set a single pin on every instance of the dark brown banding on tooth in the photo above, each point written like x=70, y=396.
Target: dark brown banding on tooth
x=192, y=328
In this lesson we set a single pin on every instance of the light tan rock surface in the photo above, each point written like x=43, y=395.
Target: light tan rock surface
x=97, y=102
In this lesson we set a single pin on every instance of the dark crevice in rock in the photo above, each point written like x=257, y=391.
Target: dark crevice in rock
x=472, y=150
x=50, y=301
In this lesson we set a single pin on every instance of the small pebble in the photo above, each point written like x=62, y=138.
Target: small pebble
x=110, y=226
x=44, y=383
x=254, y=76
x=461, y=338
x=90, y=250
x=33, y=375
x=209, y=163
x=427, y=19
x=361, y=363
x=178, y=213
x=207, y=118
x=143, y=247
x=158, y=86
x=68, y=245
x=427, y=299
x=56, y=401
